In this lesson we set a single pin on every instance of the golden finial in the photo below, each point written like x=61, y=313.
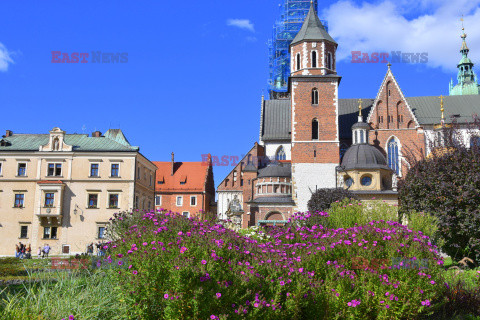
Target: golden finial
x=359, y=107
x=442, y=109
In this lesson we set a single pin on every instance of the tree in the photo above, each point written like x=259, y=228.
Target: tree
x=446, y=184
x=323, y=198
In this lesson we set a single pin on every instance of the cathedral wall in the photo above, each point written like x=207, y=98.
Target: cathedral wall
x=308, y=177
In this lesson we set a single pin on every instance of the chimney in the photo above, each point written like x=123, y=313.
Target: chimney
x=173, y=163
x=96, y=134
x=8, y=133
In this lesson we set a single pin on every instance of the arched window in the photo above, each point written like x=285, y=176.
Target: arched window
x=393, y=158
x=314, y=59
x=298, y=61
x=314, y=129
x=280, y=155
x=315, y=96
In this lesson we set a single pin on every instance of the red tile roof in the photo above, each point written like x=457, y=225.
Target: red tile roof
x=194, y=174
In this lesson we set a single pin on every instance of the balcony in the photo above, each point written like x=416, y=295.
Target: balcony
x=50, y=214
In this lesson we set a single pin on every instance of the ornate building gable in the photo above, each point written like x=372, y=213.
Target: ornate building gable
x=56, y=142
x=390, y=108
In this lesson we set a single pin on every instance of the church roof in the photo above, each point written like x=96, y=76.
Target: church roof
x=276, y=120
x=427, y=109
x=312, y=29
x=277, y=113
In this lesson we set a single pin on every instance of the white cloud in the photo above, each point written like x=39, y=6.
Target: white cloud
x=431, y=26
x=5, y=58
x=241, y=23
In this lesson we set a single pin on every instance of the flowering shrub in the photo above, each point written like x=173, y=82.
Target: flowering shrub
x=180, y=268
x=322, y=198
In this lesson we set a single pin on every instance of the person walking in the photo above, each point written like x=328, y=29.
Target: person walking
x=46, y=250
x=22, y=250
x=39, y=252
x=17, y=251
x=29, y=251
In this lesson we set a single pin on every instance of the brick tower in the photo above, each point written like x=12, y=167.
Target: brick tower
x=314, y=99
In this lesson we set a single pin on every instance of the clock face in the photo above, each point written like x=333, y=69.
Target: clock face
x=366, y=181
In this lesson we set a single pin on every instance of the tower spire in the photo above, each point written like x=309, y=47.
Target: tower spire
x=360, y=117
x=466, y=77
x=442, y=121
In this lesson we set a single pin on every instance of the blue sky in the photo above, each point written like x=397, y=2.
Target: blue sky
x=196, y=69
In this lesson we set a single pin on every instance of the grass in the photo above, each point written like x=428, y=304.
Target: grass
x=83, y=293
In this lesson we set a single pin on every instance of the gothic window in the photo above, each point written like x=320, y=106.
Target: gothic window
x=314, y=129
x=315, y=96
x=393, y=156
x=298, y=61
x=314, y=59
x=280, y=155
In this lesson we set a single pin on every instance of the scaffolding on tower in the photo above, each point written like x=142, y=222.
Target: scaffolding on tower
x=292, y=15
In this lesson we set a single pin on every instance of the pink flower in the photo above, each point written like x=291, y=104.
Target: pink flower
x=165, y=296
x=218, y=294
x=204, y=261
x=135, y=272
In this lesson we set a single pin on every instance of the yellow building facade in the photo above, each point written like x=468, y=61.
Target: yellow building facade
x=61, y=189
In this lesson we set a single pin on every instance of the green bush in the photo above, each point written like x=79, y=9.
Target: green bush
x=323, y=198
x=348, y=213
x=447, y=185
x=427, y=224
x=181, y=268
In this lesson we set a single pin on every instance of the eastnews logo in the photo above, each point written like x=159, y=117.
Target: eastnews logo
x=89, y=57
x=392, y=57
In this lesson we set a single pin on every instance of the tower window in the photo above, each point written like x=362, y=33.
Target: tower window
x=315, y=96
x=298, y=61
x=314, y=59
x=280, y=155
x=314, y=129
x=329, y=61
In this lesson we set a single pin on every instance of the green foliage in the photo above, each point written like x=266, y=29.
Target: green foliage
x=448, y=186
x=348, y=213
x=323, y=198
x=427, y=224
x=86, y=295
x=177, y=266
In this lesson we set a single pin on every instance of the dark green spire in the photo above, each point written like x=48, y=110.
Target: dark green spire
x=466, y=77
x=312, y=29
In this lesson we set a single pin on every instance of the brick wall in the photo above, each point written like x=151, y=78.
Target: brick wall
x=258, y=213
x=169, y=203
x=228, y=184
x=393, y=118
x=305, y=49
